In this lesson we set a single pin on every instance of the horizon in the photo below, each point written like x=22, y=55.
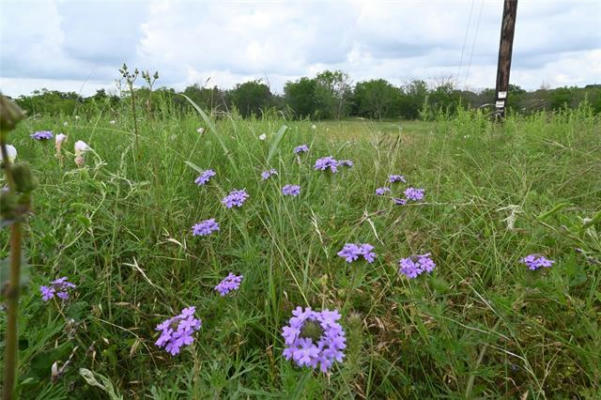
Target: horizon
x=72, y=47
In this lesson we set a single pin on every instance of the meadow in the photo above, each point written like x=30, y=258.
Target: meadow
x=481, y=324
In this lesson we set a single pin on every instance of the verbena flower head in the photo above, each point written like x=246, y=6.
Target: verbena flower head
x=346, y=163
x=11, y=152
x=399, y=201
x=235, y=199
x=205, y=227
x=414, y=194
x=536, y=261
x=303, y=148
x=291, y=190
x=351, y=252
x=58, y=288
x=396, y=178
x=42, y=135
x=381, y=191
x=177, y=331
x=204, y=177
x=268, y=173
x=325, y=163
x=414, y=266
x=228, y=284
x=314, y=338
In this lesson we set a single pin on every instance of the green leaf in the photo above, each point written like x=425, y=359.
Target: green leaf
x=276, y=142
x=213, y=129
x=92, y=378
x=552, y=211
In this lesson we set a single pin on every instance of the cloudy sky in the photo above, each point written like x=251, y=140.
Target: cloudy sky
x=79, y=45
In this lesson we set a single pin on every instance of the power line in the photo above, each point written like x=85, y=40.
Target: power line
x=467, y=30
x=474, y=42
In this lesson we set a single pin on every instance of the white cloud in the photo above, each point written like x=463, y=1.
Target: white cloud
x=55, y=43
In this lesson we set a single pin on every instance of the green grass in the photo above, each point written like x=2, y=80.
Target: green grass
x=480, y=326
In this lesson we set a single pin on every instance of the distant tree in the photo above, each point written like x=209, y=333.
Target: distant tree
x=413, y=98
x=333, y=94
x=562, y=97
x=251, y=97
x=301, y=97
x=376, y=99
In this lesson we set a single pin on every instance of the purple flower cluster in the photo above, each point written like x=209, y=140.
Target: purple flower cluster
x=396, y=178
x=314, y=338
x=414, y=266
x=235, y=198
x=303, y=148
x=381, y=191
x=346, y=163
x=205, y=227
x=266, y=174
x=325, y=163
x=59, y=287
x=228, y=284
x=399, y=201
x=205, y=176
x=351, y=251
x=291, y=190
x=177, y=331
x=536, y=261
x=42, y=135
x=414, y=194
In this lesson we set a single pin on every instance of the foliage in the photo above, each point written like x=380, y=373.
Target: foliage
x=481, y=326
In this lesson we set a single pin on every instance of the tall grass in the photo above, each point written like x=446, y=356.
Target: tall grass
x=481, y=326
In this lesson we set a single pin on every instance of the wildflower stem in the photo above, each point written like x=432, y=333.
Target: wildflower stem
x=12, y=302
x=11, y=291
x=133, y=111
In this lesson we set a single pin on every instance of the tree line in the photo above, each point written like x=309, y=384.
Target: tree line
x=329, y=95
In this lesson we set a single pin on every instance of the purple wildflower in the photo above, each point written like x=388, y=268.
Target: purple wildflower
x=205, y=227
x=59, y=287
x=177, y=331
x=235, y=198
x=326, y=163
x=303, y=148
x=266, y=174
x=228, y=284
x=351, y=252
x=381, y=191
x=399, y=202
x=291, y=190
x=346, y=163
x=414, y=266
x=204, y=177
x=414, y=194
x=536, y=261
x=42, y=135
x=396, y=178
x=314, y=339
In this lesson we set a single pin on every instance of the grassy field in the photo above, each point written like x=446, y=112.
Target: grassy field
x=481, y=325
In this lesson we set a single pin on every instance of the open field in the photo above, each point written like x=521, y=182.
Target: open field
x=481, y=325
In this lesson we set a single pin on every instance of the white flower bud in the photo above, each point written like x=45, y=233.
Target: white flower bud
x=12, y=153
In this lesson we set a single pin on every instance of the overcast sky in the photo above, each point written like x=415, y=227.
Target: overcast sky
x=79, y=45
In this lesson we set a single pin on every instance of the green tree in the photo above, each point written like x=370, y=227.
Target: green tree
x=251, y=97
x=376, y=99
x=301, y=97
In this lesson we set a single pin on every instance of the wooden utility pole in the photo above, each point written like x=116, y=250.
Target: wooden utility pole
x=510, y=8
